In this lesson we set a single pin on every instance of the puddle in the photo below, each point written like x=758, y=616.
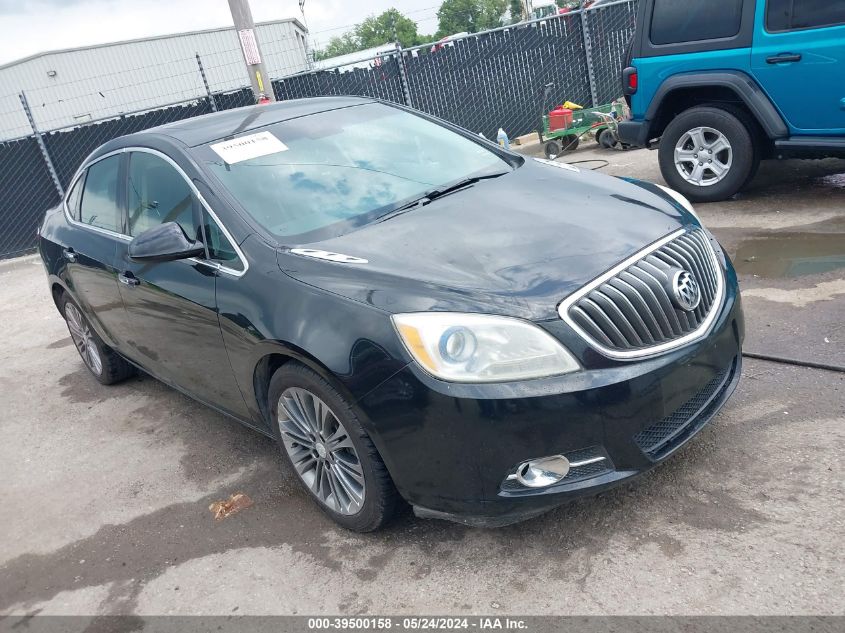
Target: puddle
x=797, y=179
x=791, y=254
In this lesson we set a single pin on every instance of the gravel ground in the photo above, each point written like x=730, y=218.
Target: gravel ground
x=106, y=489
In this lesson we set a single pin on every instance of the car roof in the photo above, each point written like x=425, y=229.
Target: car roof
x=211, y=127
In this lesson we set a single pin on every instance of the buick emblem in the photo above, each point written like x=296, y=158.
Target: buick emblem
x=685, y=291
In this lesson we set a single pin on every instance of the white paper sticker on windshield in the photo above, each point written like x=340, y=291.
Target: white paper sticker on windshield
x=243, y=148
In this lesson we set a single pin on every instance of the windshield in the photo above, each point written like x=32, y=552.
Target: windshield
x=324, y=174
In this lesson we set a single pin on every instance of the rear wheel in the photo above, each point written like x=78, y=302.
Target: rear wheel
x=552, y=149
x=569, y=143
x=606, y=138
x=707, y=154
x=331, y=453
x=100, y=359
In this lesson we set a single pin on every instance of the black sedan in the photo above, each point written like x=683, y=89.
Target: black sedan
x=411, y=311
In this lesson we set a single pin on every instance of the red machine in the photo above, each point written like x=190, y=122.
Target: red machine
x=560, y=119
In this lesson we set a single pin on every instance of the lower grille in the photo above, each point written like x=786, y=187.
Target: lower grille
x=662, y=437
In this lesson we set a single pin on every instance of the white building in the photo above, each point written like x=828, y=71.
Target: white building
x=73, y=86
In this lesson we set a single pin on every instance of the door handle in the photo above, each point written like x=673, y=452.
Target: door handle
x=69, y=254
x=784, y=58
x=128, y=279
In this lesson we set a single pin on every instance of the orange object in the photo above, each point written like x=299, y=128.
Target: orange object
x=237, y=502
x=560, y=119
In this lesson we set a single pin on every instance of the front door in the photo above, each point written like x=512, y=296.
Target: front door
x=798, y=58
x=172, y=327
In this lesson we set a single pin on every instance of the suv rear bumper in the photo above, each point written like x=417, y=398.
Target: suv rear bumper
x=634, y=133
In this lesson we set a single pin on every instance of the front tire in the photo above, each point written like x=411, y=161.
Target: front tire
x=321, y=435
x=100, y=359
x=707, y=154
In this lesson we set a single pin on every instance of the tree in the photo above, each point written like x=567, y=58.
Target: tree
x=390, y=26
x=340, y=45
x=376, y=30
x=456, y=16
x=515, y=10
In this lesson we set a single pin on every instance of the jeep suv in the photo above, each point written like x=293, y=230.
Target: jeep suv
x=720, y=85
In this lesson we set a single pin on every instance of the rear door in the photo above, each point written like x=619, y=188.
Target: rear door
x=686, y=36
x=89, y=248
x=798, y=58
x=171, y=326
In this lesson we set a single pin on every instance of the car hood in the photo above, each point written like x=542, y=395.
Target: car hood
x=515, y=245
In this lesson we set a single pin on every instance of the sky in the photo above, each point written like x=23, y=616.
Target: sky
x=34, y=26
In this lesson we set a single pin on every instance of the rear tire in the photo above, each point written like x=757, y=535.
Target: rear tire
x=569, y=143
x=708, y=153
x=606, y=139
x=336, y=461
x=106, y=365
x=552, y=150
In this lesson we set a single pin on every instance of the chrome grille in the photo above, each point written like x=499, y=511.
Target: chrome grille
x=629, y=311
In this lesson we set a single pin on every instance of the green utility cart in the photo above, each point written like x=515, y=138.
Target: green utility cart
x=601, y=120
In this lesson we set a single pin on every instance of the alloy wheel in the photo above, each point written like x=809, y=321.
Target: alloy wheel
x=703, y=156
x=321, y=450
x=83, y=339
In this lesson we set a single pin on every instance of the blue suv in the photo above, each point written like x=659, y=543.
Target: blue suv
x=720, y=85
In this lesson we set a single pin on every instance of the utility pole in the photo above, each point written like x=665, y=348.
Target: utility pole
x=309, y=54
x=527, y=5
x=242, y=17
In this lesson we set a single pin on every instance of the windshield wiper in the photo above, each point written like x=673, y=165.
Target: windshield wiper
x=438, y=192
x=433, y=194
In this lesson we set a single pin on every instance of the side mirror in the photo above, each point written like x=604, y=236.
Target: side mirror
x=164, y=243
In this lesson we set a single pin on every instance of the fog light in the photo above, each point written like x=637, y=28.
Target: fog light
x=542, y=472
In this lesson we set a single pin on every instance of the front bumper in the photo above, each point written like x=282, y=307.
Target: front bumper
x=449, y=447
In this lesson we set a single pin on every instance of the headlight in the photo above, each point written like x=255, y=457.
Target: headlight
x=481, y=348
x=681, y=200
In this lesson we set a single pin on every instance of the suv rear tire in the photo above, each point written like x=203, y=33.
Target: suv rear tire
x=708, y=153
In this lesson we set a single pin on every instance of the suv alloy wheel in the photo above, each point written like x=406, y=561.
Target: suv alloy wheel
x=707, y=153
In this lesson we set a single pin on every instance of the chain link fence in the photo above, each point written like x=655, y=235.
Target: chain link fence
x=497, y=79
x=481, y=81
x=609, y=28
x=27, y=191
x=382, y=80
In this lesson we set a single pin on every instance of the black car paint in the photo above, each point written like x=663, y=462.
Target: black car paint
x=516, y=245
x=498, y=247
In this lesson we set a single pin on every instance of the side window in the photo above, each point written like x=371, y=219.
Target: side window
x=676, y=21
x=158, y=193
x=786, y=15
x=73, y=197
x=99, y=205
x=220, y=249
